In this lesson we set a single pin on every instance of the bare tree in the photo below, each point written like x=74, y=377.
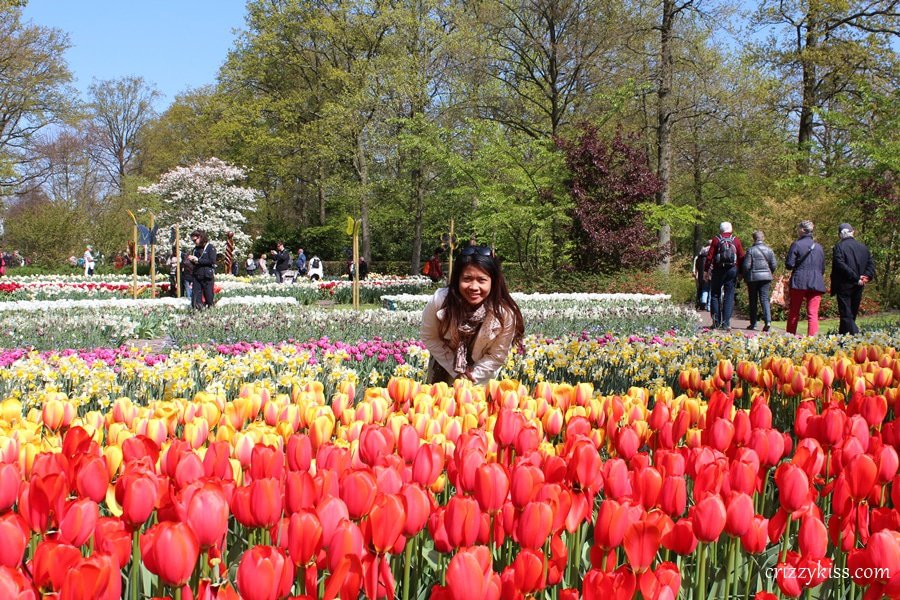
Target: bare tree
x=33, y=95
x=119, y=110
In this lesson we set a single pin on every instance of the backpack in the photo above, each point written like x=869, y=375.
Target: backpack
x=315, y=263
x=426, y=268
x=726, y=253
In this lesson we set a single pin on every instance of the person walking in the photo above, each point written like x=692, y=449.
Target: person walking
x=432, y=267
x=204, y=258
x=301, y=263
x=806, y=262
x=722, y=262
x=759, y=268
x=851, y=269
x=251, y=265
x=698, y=272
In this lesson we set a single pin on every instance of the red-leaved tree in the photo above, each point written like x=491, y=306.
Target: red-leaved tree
x=609, y=179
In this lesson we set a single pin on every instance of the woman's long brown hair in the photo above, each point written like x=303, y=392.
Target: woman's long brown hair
x=499, y=298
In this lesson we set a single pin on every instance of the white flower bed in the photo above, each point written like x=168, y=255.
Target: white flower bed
x=125, y=304
x=547, y=301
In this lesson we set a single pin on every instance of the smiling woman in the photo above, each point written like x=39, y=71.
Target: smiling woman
x=470, y=326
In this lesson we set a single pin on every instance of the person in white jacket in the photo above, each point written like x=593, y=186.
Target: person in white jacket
x=470, y=326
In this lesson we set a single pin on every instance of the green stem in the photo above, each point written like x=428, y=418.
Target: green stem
x=135, y=564
x=701, y=579
x=406, y=570
x=784, y=542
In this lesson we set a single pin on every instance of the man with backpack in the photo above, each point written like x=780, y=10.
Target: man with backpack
x=722, y=260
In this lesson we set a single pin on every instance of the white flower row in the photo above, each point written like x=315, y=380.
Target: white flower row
x=544, y=301
x=114, y=304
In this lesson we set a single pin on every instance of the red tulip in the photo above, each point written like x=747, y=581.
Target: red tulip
x=216, y=462
x=374, y=443
x=113, y=538
x=757, y=537
x=299, y=453
x=347, y=540
x=641, y=545
x=299, y=491
x=529, y=573
x=509, y=424
x=813, y=538
x=708, y=516
x=738, y=514
x=386, y=522
x=10, y=479
x=205, y=509
x=79, y=521
x=265, y=573
x=861, y=473
x=613, y=521
x=92, y=478
x=470, y=575
x=94, y=578
x=463, y=521
x=331, y=511
x=665, y=582
x=417, y=507
x=358, y=491
x=673, y=496
x=52, y=560
x=136, y=493
x=43, y=501
x=13, y=539
x=491, y=487
x=14, y=585
x=616, y=482
x=428, y=464
x=525, y=482
x=170, y=550
x=648, y=484
x=618, y=585
x=793, y=487
x=304, y=537
x=535, y=525
x=188, y=470
x=266, y=462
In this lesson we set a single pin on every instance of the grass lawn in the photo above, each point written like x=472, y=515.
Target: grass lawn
x=865, y=323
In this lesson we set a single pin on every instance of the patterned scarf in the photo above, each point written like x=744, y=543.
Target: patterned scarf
x=467, y=331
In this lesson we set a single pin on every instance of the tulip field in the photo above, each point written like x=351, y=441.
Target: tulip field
x=605, y=466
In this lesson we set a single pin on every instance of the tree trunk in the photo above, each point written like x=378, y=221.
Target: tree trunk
x=320, y=191
x=698, y=198
x=809, y=102
x=418, y=189
x=362, y=168
x=664, y=125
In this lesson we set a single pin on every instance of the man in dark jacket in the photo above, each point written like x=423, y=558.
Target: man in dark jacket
x=758, y=267
x=282, y=257
x=722, y=262
x=851, y=270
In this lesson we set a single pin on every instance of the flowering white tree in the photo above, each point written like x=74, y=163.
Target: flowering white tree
x=206, y=196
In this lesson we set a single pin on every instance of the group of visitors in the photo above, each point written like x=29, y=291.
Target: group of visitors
x=284, y=267
x=719, y=264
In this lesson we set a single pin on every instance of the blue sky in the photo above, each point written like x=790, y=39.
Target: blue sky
x=174, y=44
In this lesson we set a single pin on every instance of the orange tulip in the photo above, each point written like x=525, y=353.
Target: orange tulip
x=463, y=521
x=386, y=521
x=113, y=538
x=304, y=537
x=52, y=560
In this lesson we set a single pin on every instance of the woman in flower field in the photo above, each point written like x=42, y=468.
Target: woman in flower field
x=470, y=326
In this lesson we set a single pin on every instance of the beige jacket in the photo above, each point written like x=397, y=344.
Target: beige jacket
x=491, y=348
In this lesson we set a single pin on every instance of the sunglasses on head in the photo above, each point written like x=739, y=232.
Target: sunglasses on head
x=480, y=250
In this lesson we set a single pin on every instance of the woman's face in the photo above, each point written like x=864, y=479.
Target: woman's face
x=474, y=285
